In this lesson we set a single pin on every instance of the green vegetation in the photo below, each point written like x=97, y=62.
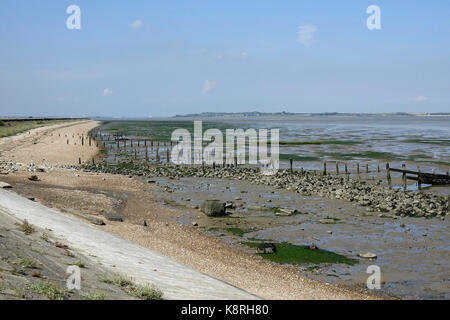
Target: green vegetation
x=47, y=289
x=294, y=254
x=363, y=155
x=79, y=264
x=142, y=292
x=10, y=128
x=287, y=156
x=45, y=237
x=439, y=142
x=93, y=296
x=25, y=263
x=238, y=231
x=26, y=228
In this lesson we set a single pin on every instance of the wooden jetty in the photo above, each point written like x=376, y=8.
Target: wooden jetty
x=423, y=177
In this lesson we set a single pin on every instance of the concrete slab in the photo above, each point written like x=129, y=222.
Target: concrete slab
x=176, y=281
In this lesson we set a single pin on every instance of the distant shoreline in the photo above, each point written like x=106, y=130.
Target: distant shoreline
x=308, y=115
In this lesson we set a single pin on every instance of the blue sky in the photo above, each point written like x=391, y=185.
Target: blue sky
x=161, y=58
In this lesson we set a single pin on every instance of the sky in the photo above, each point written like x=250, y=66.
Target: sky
x=161, y=58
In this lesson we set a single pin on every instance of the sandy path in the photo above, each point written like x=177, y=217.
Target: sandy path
x=48, y=145
x=97, y=193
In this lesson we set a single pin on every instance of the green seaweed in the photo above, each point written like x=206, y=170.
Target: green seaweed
x=287, y=156
x=297, y=254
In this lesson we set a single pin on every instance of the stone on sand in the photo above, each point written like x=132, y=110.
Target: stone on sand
x=213, y=208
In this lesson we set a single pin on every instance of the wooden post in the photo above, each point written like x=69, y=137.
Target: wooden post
x=214, y=166
x=93, y=161
x=357, y=169
x=345, y=168
x=324, y=168
x=367, y=168
x=337, y=168
x=404, y=176
x=290, y=164
x=235, y=161
x=419, y=183
x=67, y=141
x=388, y=175
x=79, y=160
x=89, y=141
x=378, y=168
x=167, y=154
x=146, y=153
x=82, y=141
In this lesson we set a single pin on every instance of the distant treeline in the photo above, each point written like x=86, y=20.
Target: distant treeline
x=284, y=113
x=38, y=119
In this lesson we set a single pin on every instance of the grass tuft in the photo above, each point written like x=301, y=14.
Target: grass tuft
x=25, y=263
x=47, y=289
x=142, y=292
x=94, y=296
x=26, y=228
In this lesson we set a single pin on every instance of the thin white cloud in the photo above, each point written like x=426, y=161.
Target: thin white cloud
x=420, y=98
x=305, y=34
x=107, y=92
x=136, y=24
x=208, y=85
x=244, y=54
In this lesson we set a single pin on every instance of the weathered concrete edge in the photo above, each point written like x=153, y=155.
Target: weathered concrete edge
x=117, y=255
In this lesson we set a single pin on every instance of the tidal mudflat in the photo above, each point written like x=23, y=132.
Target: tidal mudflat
x=341, y=215
x=413, y=253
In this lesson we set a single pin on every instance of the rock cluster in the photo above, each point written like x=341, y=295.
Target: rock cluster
x=376, y=197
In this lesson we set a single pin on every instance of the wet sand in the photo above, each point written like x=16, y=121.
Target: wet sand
x=413, y=253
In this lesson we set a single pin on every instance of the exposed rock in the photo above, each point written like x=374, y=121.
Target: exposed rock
x=376, y=197
x=267, y=248
x=114, y=217
x=33, y=178
x=213, y=208
x=368, y=255
x=285, y=212
x=327, y=221
x=5, y=185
